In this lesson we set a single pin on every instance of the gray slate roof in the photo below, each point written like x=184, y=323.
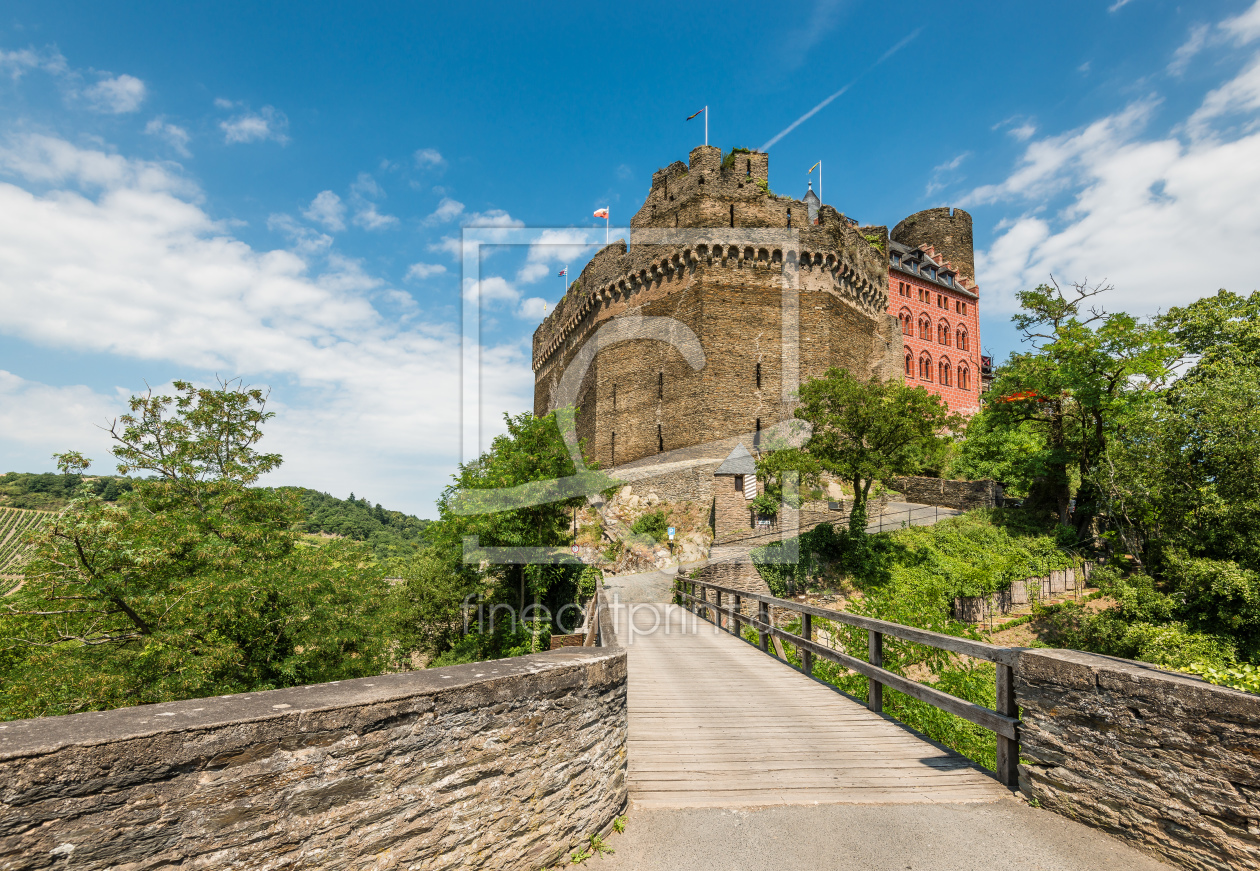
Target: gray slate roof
x=738, y=462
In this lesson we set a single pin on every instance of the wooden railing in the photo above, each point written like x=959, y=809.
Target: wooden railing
x=1003, y=722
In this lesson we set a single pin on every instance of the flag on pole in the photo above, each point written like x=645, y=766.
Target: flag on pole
x=814, y=167
x=603, y=213
x=705, y=113
x=562, y=272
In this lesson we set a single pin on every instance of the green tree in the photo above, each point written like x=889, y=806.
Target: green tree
x=871, y=431
x=519, y=495
x=193, y=583
x=1086, y=374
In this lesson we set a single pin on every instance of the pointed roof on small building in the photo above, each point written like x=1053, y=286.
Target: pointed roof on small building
x=738, y=462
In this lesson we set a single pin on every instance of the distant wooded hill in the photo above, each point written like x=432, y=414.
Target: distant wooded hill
x=387, y=532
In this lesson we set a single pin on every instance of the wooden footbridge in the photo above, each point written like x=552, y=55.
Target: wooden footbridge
x=715, y=721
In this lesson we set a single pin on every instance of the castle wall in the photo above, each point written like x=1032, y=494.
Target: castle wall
x=730, y=295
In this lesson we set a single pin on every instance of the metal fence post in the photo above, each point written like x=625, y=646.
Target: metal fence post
x=1007, y=749
x=875, y=649
x=807, y=632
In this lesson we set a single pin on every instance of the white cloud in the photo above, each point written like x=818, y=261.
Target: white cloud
x=1187, y=50
x=267, y=123
x=489, y=221
x=369, y=218
x=328, y=210
x=111, y=256
x=1244, y=28
x=1118, y=5
x=417, y=271
x=552, y=248
x=20, y=61
x=117, y=95
x=492, y=288
x=447, y=210
x=1048, y=165
x=534, y=308
x=40, y=418
x=427, y=158
x=1240, y=94
x=1145, y=214
x=305, y=240
x=362, y=192
x=174, y=136
x=1024, y=131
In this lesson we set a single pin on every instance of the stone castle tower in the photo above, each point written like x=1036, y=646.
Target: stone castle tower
x=711, y=250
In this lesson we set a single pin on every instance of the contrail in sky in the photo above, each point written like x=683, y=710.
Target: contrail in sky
x=812, y=112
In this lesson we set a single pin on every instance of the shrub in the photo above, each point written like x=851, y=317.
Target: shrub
x=654, y=524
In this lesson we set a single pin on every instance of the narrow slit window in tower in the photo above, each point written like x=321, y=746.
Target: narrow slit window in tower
x=758, y=376
x=789, y=218
x=614, y=397
x=613, y=448
x=660, y=385
x=660, y=440
x=732, y=214
x=757, y=435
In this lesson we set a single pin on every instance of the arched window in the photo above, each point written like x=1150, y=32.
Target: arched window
x=909, y=362
x=925, y=328
x=944, y=373
x=942, y=333
x=925, y=368
x=907, y=322
x=962, y=339
x=962, y=377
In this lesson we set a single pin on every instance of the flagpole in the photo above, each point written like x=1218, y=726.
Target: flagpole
x=706, y=125
x=606, y=213
x=566, y=278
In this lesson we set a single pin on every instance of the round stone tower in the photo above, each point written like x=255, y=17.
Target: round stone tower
x=947, y=230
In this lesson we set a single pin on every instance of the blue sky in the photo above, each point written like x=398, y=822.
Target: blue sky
x=275, y=191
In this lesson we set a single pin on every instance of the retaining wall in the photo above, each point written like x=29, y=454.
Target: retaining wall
x=504, y=764
x=1165, y=761
x=948, y=493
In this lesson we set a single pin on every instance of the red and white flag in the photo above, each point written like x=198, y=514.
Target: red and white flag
x=602, y=213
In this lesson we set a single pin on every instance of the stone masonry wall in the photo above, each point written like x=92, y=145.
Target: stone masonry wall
x=504, y=764
x=948, y=493
x=1167, y=762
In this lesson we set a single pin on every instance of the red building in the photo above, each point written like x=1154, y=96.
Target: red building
x=933, y=294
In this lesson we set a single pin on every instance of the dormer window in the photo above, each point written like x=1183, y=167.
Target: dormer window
x=896, y=259
x=948, y=278
x=931, y=271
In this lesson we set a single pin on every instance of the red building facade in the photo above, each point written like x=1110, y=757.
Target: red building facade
x=937, y=303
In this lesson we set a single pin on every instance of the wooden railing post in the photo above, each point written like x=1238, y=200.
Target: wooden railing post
x=807, y=632
x=718, y=614
x=875, y=651
x=763, y=620
x=1007, y=749
x=739, y=605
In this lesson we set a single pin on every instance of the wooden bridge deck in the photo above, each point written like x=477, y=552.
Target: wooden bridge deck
x=714, y=722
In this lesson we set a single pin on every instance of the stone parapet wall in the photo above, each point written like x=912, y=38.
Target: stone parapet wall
x=504, y=764
x=1164, y=761
x=948, y=493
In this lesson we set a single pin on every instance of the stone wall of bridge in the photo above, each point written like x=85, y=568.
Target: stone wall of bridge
x=505, y=764
x=1162, y=760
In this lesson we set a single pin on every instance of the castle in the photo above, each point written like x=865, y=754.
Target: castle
x=776, y=291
